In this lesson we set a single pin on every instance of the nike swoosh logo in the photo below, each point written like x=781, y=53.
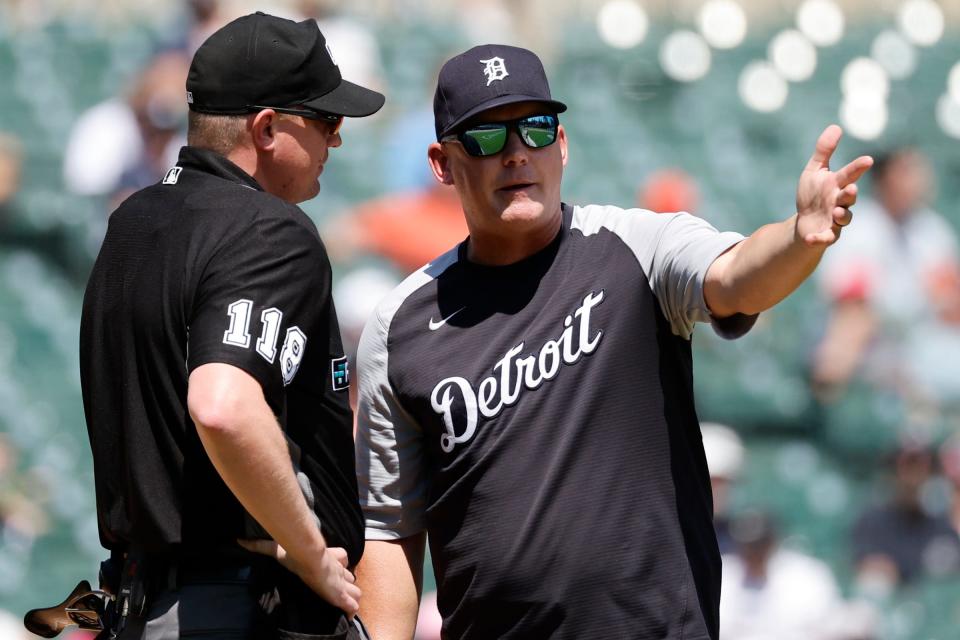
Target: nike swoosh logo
x=434, y=325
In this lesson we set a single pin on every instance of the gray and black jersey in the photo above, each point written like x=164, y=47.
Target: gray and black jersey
x=537, y=420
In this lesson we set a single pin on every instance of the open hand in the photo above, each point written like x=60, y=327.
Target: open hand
x=327, y=575
x=824, y=197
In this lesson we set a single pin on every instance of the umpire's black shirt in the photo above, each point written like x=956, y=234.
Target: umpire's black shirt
x=206, y=267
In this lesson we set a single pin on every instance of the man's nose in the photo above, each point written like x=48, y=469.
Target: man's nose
x=514, y=149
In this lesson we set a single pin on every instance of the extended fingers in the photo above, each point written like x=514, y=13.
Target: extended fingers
x=350, y=600
x=842, y=216
x=847, y=196
x=853, y=171
x=826, y=145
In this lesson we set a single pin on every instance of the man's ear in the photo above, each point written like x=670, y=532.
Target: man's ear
x=439, y=163
x=263, y=130
x=564, y=148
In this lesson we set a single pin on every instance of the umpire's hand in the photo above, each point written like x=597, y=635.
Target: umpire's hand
x=325, y=573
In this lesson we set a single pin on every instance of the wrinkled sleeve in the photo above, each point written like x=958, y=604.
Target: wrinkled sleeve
x=685, y=248
x=388, y=444
x=675, y=250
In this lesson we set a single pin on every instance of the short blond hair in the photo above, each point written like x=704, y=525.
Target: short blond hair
x=216, y=132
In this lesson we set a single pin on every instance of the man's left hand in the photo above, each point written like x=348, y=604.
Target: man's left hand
x=824, y=197
x=326, y=574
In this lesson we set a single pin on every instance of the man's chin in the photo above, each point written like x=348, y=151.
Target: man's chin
x=313, y=193
x=300, y=198
x=522, y=209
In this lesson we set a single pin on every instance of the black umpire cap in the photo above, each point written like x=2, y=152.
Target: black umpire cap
x=261, y=60
x=488, y=76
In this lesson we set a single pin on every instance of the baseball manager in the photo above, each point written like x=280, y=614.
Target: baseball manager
x=526, y=399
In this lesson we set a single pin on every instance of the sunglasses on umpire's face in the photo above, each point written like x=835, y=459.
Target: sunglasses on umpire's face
x=489, y=138
x=335, y=120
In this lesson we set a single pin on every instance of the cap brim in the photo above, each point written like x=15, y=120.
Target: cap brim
x=499, y=101
x=348, y=99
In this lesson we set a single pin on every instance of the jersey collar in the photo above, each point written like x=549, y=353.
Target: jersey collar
x=215, y=164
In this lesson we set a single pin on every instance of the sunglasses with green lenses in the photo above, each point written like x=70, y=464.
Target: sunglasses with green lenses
x=489, y=138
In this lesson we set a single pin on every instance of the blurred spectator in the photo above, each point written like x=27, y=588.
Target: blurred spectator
x=950, y=462
x=11, y=164
x=418, y=219
x=201, y=19
x=22, y=520
x=477, y=19
x=667, y=191
x=353, y=43
x=724, y=451
x=18, y=231
x=409, y=229
x=405, y=166
x=21, y=517
x=899, y=541
x=123, y=144
x=771, y=592
x=894, y=285
x=356, y=295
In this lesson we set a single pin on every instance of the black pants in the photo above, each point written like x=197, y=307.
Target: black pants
x=233, y=601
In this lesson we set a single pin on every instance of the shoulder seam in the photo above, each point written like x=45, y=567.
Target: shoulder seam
x=410, y=285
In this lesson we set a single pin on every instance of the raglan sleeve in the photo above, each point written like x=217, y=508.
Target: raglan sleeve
x=389, y=444
x=674, y=250
x=685, y=247
x=259, y=298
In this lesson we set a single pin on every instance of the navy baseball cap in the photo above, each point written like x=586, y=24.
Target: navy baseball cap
x=488, y=76
x=261, y=59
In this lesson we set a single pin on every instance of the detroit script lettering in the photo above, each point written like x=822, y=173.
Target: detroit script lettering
x=513, y=374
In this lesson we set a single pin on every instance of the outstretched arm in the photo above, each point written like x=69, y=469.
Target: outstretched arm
x=765, y=268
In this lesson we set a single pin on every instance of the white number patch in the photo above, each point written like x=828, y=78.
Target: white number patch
x=239, y=332
x=292, y=354
x=267, y=344
x=238, y=335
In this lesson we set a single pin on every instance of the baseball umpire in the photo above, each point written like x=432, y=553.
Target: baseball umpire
x=214, y=382
x=527, y=398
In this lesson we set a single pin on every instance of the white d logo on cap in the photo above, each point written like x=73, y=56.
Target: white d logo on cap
x=494, y=69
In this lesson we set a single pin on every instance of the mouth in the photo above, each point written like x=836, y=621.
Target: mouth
x=517, y=186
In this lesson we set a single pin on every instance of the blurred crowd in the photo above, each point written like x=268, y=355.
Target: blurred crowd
x=23, y=518
x=889, y=331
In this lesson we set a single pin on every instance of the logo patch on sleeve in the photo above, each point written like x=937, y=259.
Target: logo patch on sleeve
x=340, y=373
